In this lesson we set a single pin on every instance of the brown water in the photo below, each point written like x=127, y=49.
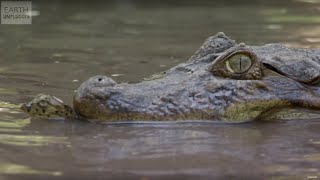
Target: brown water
x=69, y=42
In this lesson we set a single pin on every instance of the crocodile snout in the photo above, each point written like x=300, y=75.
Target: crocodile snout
x=96, y=90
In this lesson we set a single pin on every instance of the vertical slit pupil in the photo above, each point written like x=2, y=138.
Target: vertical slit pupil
x=240, y=62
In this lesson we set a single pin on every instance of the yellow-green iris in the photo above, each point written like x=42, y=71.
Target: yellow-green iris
x=239, y=63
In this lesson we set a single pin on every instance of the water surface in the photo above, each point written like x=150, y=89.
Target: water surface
x=70, y=41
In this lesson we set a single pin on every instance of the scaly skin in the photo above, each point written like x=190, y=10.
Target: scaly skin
x=46, y=106
x=222, y=81
x=203, y=88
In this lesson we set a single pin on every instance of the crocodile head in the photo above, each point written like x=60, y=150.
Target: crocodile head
x=45, y=106
x=222, y=81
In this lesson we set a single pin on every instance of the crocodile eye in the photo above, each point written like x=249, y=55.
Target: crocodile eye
x=238, y=63
x=43, y=103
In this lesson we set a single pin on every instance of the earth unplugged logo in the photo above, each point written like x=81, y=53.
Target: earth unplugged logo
x=16, y=12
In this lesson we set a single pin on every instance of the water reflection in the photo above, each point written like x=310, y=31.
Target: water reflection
x=181, y=148
x=31, y=140
x=13, y=169
x=162, y=148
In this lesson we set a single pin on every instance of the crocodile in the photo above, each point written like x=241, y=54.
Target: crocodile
x=223, y=81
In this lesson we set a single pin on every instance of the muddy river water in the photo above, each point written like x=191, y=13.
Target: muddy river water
x=128, y=40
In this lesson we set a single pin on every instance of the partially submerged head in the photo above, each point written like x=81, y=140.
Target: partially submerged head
x=221, y=81
x=47, y=106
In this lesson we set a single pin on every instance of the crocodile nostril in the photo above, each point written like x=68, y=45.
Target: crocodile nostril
x=97, y=81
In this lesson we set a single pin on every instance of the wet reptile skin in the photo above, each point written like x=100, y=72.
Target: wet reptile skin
x=45, y=106
x=203, y=89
